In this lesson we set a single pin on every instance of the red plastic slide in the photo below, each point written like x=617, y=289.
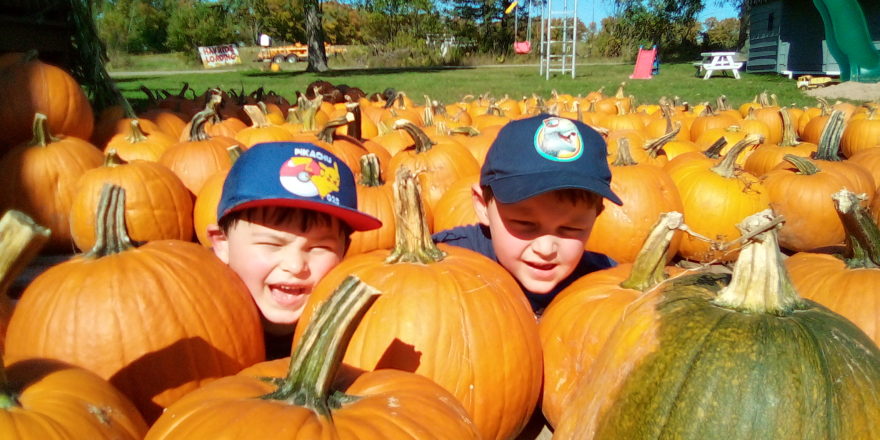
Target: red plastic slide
x=644, y=63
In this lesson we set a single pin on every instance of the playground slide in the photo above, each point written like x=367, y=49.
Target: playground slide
x=848, y=39
x=644, y=63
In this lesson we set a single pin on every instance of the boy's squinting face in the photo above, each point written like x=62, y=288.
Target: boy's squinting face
x=280, y=263
x=539, y=240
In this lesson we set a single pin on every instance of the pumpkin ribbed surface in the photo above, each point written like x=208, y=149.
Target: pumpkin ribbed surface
x=157, y=321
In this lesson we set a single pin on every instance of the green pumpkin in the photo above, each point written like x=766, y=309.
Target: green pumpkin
x=714, y=356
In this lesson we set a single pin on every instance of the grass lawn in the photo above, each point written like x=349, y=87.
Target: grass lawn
x=449, y=85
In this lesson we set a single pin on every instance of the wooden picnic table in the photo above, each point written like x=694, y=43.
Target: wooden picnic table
x=717, y=61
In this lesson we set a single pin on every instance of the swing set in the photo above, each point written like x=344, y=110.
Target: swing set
x=525, y=46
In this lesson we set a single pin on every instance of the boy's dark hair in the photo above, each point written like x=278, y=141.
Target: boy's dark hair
x=572, y=195
x=306, y=219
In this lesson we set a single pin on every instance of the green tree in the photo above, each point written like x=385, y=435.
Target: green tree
x=194, y=23
x=721, y=34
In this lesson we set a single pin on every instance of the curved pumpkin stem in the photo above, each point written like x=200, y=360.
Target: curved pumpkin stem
x=727, y=165
x=829, y=141
x=412, y=241
x=862, y=234
x=804, y=166
x=135, y=134
x=258, y=118
x=649, y=268
x=20, y=241
x=714, y=150
x=656, y=145
x=111, y=235
x=371, y=173
x=197, y=125
x=317, y=357
x=42, y=137
x=789, y=134
x=760, y=283
x=422, y=142
x=354, y=122
x=112, y=159
x=328, y=133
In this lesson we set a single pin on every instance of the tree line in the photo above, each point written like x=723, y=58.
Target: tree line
x=158, y=26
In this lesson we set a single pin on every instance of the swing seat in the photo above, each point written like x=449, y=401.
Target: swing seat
x=522, y=47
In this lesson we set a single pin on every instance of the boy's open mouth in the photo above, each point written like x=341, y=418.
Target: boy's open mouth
x=287, y=295
x=540, y=266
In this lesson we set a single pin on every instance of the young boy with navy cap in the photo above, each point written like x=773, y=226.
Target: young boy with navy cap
x=284, y=220
x=541, y=188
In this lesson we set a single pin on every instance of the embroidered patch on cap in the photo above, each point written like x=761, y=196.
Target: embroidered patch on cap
x=559, y=140
x=311, y=174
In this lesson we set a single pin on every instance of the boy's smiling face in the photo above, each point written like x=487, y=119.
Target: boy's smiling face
x=279, y=262
x=539, y=240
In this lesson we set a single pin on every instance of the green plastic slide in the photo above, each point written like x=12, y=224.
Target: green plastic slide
x=848, y=39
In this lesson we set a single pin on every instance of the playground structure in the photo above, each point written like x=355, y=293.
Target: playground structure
x=558, y=38
x=647, y=64
x=849, y=40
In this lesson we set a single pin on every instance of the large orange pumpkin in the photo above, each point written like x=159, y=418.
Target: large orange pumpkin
x=157, y=321
x=158, y=206
x=200, y=157
x=39, y=178
x=456, y=206
x=646, y=191
x=715, y=194
x=29, y=86
x=442, y=304
x=312, y=396
x=135, y=144
x=577, y=323
x=50, y=400
x=847, y=284
x=768, y=155
x=861, y=134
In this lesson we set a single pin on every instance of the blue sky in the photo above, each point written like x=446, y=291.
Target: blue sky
x=596, y=10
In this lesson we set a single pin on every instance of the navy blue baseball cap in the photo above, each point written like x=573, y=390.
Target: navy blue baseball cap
x=294, y=175
x=543, y=153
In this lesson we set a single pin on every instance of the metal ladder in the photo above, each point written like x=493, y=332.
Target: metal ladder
x=559, y=20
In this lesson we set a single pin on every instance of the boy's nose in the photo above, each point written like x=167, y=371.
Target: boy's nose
x=294, y=263
x=545, y=246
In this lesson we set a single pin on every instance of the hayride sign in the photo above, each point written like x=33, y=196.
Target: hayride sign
x=215, y=56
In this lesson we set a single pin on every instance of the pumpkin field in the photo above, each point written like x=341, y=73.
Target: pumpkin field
x=745, y=303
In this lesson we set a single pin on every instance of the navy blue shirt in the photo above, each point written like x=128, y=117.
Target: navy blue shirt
x=477, y=238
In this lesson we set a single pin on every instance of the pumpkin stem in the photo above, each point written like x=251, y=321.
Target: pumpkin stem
x=655, y=146
x=197, y=125
x=316, y=359
x=111, y=235
x=234, y=153
x=371, y=173
x=328, y=133
x=714, y=150
x=258, y=118
x=112, y=159
x=760, y=283
x=422, y=142
x=862, y=234
x=135, y=134
x=789, y=134
x=20, y=241
x=727, y=166
x=804, y=165
x=412, y=241
x=42, y=137
x=624, y=155
x=829, y=141
x=354, y=124
x=648, y=269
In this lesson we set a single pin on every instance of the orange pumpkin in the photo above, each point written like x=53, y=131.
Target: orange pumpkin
x=157, y=321
x=715, y=196
x=847, y=284
x=374, y=197
x=470, y=305
x=307, y=399
x=39, y=178
x=828, y=157
x=440, y=163
x=29, y=86
x=456, y=206
x=861, y=134
x=646, y=191
x=200, y=157
x=577, y=323
x=158, y=206
x=135, y=144
x=261, y=130
x=768, y=155
x=50, y=400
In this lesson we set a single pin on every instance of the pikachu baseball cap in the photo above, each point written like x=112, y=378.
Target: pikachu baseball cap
x=544, y=153
x=294, y=175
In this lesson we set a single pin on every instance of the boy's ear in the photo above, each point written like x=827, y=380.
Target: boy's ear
x=219, y=243
x=480, y=205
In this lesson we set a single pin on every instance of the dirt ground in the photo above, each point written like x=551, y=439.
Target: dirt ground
x=849, y=90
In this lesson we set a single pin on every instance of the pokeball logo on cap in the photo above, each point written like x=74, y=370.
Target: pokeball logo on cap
x=308, y=177
x=558, y=139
